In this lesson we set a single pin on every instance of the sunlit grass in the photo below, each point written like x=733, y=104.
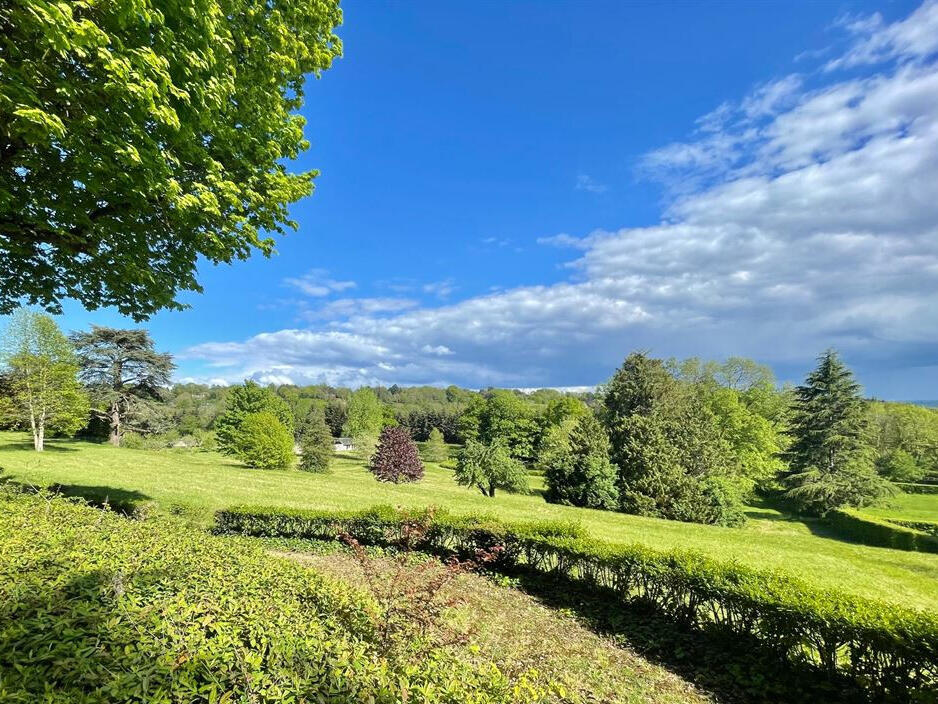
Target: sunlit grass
x=202, y=482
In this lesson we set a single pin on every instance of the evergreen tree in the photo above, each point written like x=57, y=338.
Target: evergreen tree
x=583, y=474
x=316, y=445
x=396, y=458
x=242, y=401
x=830, y=464
x=41, y=377
x=672, y=460
x=436, y=449
x=126, y=377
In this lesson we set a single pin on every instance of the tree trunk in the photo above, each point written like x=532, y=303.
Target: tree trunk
x=115, y=425
x=40, y=438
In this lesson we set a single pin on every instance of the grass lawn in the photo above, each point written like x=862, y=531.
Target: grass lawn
x=202, y=482
x=908, y=507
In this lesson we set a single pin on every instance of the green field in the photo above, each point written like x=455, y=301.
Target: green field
x=201, y=482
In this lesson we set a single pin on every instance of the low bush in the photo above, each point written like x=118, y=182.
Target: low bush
x=95, y=608
x=869, y=530
x=890, y=651
x=910, y=488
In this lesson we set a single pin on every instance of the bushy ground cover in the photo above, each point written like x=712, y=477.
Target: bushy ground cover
x=869, y=646
x=198, y=483
x=98, y=607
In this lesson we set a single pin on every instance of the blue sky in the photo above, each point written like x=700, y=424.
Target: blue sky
x=519, y=194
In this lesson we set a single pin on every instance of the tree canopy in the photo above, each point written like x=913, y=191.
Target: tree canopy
x=138, y=136
x=41, y=377
x=124, y=374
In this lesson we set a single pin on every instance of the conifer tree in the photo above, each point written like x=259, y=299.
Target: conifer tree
x=436, y=449
x=830, y=464
x=125, y=375
x=316, y=445
x=583, y=475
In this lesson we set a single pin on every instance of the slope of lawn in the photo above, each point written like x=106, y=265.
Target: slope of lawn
x=201, y=482
x=908, y=507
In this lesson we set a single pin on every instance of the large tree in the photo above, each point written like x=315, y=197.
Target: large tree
x=364, y=419
x=672, y=458
x=137, y=137
x=41, y=377
x=125, y=374
x=583, y=475
x=830, y=461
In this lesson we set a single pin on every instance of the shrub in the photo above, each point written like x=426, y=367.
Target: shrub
x=98, y=608
x=264, y=442
x=396, y=458
x=489, y=467
x=886, y=649
x=316, y=445
x=869, y=530
x=583, y=475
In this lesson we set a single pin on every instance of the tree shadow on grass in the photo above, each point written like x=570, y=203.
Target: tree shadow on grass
x=734, y=668
x=53, y=446
x=124, y=501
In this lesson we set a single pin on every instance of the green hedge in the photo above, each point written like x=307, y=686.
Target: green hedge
x=869, y=530
x=910, y=488
x=929, y=527
x=95, y=607
x=889, y=650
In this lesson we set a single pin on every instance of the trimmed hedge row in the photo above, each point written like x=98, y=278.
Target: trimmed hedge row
x=929, y=527
x=870, y=530
x=910, y=488
x=891, y=651
x=95, y=607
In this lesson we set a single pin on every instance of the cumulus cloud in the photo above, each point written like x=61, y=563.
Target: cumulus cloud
x=802, y=215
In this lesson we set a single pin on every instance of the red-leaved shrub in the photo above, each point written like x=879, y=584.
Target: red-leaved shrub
x=396, y=458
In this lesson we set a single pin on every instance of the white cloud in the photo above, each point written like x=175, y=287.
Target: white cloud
x=585, y=182
x=316, y=283
x=911, y=39
x=802, y=217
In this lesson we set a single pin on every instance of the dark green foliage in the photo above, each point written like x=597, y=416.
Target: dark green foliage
x=869, y=530
x=672, y=459
x=889, y=651
x=241, y=401
x=263, y=442
x=336, y=413
x=99, y=608
x=489, y=467
x=583, y=475
x=116, y=206
x=126, y=376
x=316, y=444
x=829, y=461
x=910, y=488
x=396, y=458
